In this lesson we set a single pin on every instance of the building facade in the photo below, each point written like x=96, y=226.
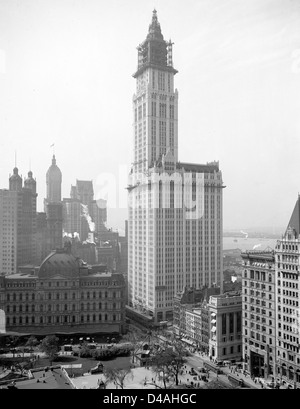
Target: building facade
x=17, y=223
x=259, y=313
x=225, y=326
x=82, y=214
x=64, y=295
x=175, y=209
x=287, y=270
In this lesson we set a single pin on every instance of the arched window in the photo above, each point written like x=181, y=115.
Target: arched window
x=26, y=297
x=57, y=296
x=21, y=297
x=20, y=320
x=32, y=320
x=88, y=318
x=14, y=320
x=94, y=317
x=81, y=318
x=26, y=308
x=66, y=318
x=66, y=307
x=100, y=317
x=105, y=317
x=26, y=320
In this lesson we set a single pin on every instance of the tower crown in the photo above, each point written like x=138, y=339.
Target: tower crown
x=155, y=51
x=15, y=181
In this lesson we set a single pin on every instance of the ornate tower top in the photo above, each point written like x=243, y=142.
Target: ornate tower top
x=53, y=180
x=30, y=183
x=15, y=181
x=155, y=51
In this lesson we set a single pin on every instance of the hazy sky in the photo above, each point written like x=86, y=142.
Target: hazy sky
x=66, y=78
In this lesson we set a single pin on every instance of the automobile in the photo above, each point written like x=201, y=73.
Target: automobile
x=97, y=369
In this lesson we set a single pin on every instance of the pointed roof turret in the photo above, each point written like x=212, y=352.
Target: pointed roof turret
x=154, y=28
x=294, y=223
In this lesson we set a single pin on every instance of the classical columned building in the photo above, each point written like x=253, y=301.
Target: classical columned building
x=175, y=208
x=225, y=326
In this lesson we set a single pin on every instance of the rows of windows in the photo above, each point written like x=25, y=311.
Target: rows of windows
x=51, y=319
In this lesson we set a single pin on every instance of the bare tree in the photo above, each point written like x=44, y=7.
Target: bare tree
x=117, y=376
x=168, y=361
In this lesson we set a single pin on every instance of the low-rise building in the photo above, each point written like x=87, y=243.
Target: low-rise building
x=225, y=326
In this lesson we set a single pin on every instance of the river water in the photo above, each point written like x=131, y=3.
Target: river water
x=230, y=243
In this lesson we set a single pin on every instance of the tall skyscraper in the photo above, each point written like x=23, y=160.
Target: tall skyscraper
x=287, y=267
x=53, y=207
x=17, y=223
x=53, y=181
x=175, y=208
x=81, y=213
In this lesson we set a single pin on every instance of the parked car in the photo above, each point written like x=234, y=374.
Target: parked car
x=97, y=369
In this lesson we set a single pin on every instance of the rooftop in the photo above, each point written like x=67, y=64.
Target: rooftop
x=53, y=377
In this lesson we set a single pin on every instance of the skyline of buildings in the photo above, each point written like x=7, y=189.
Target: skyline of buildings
x=175, y=229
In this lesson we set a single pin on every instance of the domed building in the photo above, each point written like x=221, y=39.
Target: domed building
x=64, y=295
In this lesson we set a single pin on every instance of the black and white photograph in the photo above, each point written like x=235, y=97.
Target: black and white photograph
x=150, y=197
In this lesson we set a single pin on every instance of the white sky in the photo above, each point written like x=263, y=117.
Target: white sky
x=66, y=78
